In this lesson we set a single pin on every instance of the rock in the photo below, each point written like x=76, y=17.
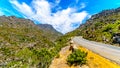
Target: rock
x=116, y=38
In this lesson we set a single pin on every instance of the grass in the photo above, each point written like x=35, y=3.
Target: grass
x=93, y=60
x=96, y=61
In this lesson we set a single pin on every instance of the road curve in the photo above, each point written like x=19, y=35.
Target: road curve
x=105, y=50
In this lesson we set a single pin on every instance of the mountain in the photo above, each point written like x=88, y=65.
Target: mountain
x=49, y=30
x=23, y=44
x=102, y=27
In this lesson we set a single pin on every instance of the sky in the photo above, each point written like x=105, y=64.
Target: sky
x=63, y=15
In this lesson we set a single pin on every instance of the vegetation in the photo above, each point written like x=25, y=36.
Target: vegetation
x=78, y=57
x=48, y=29
x=96, y=61
x=24, y=45
x=101, y=27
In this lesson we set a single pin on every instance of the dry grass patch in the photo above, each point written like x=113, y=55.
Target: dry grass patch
x=96, y=61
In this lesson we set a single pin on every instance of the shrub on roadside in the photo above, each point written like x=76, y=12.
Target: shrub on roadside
x=78, y=57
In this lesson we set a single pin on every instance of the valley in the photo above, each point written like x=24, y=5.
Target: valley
x=24, y=44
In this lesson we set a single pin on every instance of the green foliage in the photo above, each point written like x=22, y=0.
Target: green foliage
x=5, y=51
x=25, y=45
x=100, y=29
x=44, y=56
x=108, y=28
x=78, y=57
x=57, y=56
x=13, y=64
x=24, y=53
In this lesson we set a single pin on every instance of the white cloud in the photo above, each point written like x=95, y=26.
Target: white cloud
x=1, y=13
x=62, y=21
x=7, y=12
x=23, y=8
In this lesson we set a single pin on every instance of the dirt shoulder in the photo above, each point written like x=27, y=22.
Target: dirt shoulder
x=93, y=60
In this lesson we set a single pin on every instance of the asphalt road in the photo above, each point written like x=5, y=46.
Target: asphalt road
x=108, y=51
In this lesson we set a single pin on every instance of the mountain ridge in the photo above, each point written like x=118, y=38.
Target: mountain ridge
x=48, y=29
x=23, y=44
x=101, y=27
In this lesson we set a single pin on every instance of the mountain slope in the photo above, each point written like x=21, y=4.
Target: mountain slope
x=23, y=44
x=101, y=27
x=49, y=30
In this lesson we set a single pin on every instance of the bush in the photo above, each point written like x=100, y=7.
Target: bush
x=78, y=57
x=58, y=56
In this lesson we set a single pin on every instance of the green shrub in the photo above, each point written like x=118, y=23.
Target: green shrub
x=58, y=55
x=78, y=57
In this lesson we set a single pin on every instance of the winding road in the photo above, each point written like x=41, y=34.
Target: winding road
x=108, y=51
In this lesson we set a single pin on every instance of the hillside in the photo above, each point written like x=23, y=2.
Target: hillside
x=50, y=31
x=93, y=60
x=23, y=44
x=101, y=27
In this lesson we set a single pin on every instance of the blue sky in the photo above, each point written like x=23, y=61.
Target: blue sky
x=63, y=15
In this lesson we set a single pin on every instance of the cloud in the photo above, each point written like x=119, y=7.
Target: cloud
x=63, y=20
x=1, y=13
x=23, y=8
x=8, y=12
